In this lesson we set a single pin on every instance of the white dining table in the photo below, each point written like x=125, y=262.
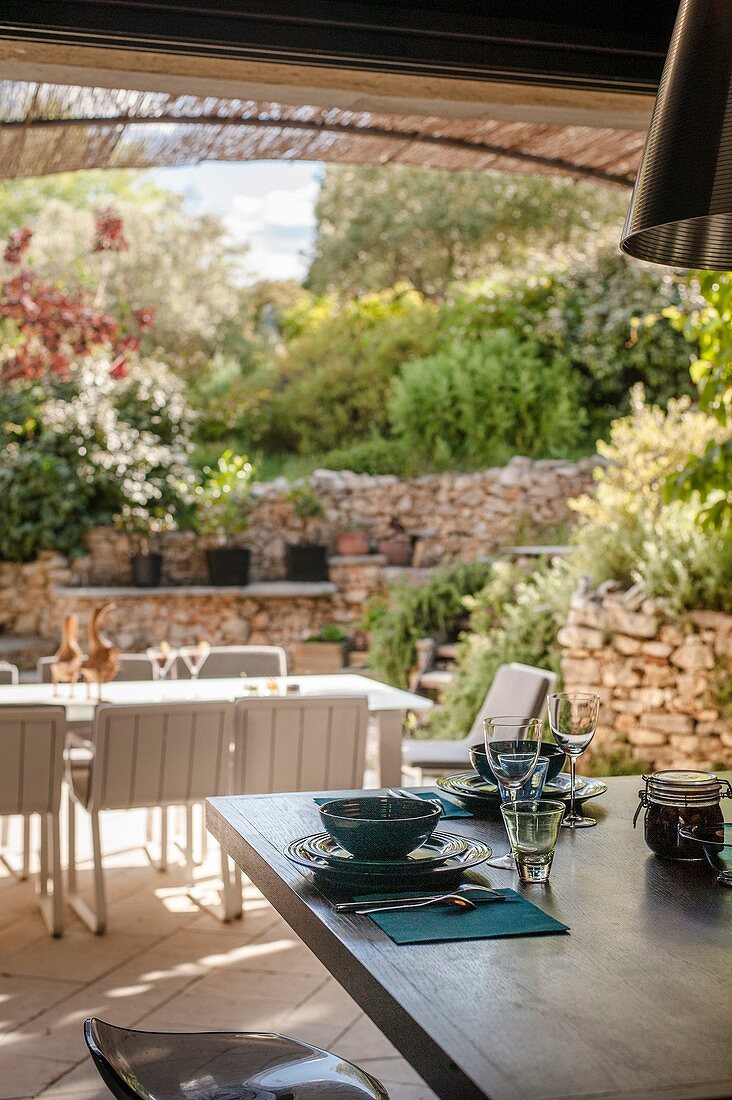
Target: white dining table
x=387, y=705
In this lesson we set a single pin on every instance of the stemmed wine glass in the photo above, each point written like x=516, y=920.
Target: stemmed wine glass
x=512, y=746
x=164, y=657
x=195, y=657
x=573, y=719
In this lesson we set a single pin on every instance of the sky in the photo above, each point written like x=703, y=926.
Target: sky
x=267, y=204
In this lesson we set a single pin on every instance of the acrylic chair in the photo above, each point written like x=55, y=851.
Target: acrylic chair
x=231, y=660
x=152, y=1065
x=143, y=756
x=300, y=743
x=8, y=673
x=516, y=689
x=31, y=777
x=132, y=666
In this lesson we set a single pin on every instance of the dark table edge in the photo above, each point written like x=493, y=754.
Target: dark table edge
x=441, y=1074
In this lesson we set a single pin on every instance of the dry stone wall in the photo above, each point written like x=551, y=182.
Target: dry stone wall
x=661, y=680
x=459, y=516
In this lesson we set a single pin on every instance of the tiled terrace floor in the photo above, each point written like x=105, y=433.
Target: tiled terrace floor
x=166, y=964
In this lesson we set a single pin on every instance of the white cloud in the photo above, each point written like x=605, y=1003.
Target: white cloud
x=281, y=207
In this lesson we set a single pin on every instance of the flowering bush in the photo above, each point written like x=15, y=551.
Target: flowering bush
x=223, y=502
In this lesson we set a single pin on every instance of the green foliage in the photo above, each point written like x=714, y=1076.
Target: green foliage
x=477, y=404
x=411, y=612
x=331, y=632
x=514, y=617
x=707, y=477
x=629, y=534
x=330, y=383
x=378, y=226
x=223, y=502
x=376, y=455
x=305, y=502
x=74, y=454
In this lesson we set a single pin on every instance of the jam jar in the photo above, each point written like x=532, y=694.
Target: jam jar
x=674, y=798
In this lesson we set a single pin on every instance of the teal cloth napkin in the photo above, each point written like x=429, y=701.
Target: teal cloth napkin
x=489, y=921
x=449, y=808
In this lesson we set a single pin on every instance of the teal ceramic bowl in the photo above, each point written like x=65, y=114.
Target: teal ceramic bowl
x=552, y=752
x=378, y=826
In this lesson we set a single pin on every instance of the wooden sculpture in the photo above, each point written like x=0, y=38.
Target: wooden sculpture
x=68, y=658
x=103, y=661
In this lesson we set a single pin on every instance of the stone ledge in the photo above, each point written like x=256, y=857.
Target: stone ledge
x=264, y=590
x=357, y=559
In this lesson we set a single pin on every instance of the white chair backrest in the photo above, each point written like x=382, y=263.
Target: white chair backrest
x=132, y=666
x=516, y=689
x=136, y=666
x=8, y=673
x=300, y=743
x=32, y=755
x=232, y=660
x=161, y=754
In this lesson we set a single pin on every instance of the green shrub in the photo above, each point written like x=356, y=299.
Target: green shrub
x=223, y=502
x=376, y=455
x=478, y=403
x=74, y=453
x=514, y=617
x=629, y=534
x=410, y=612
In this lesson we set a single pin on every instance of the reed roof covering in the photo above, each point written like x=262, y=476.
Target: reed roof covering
x=47, y=128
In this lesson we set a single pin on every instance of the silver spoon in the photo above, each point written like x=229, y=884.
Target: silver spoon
x=355, y=906
x=457, y=901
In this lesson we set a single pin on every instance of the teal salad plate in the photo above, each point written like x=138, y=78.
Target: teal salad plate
x=447, y=873
x=439, y=847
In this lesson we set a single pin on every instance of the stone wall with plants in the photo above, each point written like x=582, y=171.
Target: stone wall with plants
x=455, y=516
x=665, y=683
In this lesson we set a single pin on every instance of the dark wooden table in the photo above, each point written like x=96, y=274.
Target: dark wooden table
x=634, y=1002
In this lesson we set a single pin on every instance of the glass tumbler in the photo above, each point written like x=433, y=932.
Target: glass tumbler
x=533, y=788
x=533, y=828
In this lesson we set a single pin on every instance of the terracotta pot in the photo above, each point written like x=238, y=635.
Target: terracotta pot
x=396, y=551
x=353, y=542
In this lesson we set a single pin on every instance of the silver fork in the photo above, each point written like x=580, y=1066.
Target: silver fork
x=455, y=900
x=390, y=903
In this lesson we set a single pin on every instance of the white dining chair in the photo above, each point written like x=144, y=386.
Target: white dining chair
x=300, y=743
x=8, y=673
x=231, y=660
x=516, y=689
x=31, y=776
x=132, y=666
x=142, y=756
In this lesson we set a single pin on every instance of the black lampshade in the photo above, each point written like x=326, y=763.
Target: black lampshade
x=681, y=209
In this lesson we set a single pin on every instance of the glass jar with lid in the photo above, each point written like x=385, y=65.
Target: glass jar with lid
x=674, y=798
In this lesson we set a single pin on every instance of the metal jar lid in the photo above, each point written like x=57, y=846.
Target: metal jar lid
x=683, y=788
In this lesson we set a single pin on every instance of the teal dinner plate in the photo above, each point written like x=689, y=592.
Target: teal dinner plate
x=561, y=784
x=586, y=789
x=473, y=792
x=439, y=847
x=446, y=873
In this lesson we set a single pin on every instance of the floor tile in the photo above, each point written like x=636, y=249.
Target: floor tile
x=25, y=1077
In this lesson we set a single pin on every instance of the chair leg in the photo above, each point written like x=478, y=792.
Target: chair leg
x=20, y=873
x=160, y=863
x=51, y=906
x=232, y=907
x=95, y=921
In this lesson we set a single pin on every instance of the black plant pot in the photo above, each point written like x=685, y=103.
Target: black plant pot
x=228, y=565
x=306, y=561
x=146, y=570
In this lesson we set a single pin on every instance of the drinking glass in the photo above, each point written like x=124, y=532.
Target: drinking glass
x=533, y=788
x=573, y=720
x=194, y=657
x=533, y=829
x=512, y=745
x=164, y=657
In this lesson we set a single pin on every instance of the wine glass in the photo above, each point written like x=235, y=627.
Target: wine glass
x=573, y=719
x=512, y=745
x=194, y=657
x=164, y=657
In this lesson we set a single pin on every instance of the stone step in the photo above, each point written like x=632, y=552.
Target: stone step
x=24, y=650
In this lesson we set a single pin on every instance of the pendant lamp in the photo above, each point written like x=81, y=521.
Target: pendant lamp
x=680, y=212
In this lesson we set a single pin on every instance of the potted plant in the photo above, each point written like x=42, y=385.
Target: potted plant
x=143, y=527
x=223, y=511
x=353, y=539
x=397, y=547
x=307, y=560
x=326, y=651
